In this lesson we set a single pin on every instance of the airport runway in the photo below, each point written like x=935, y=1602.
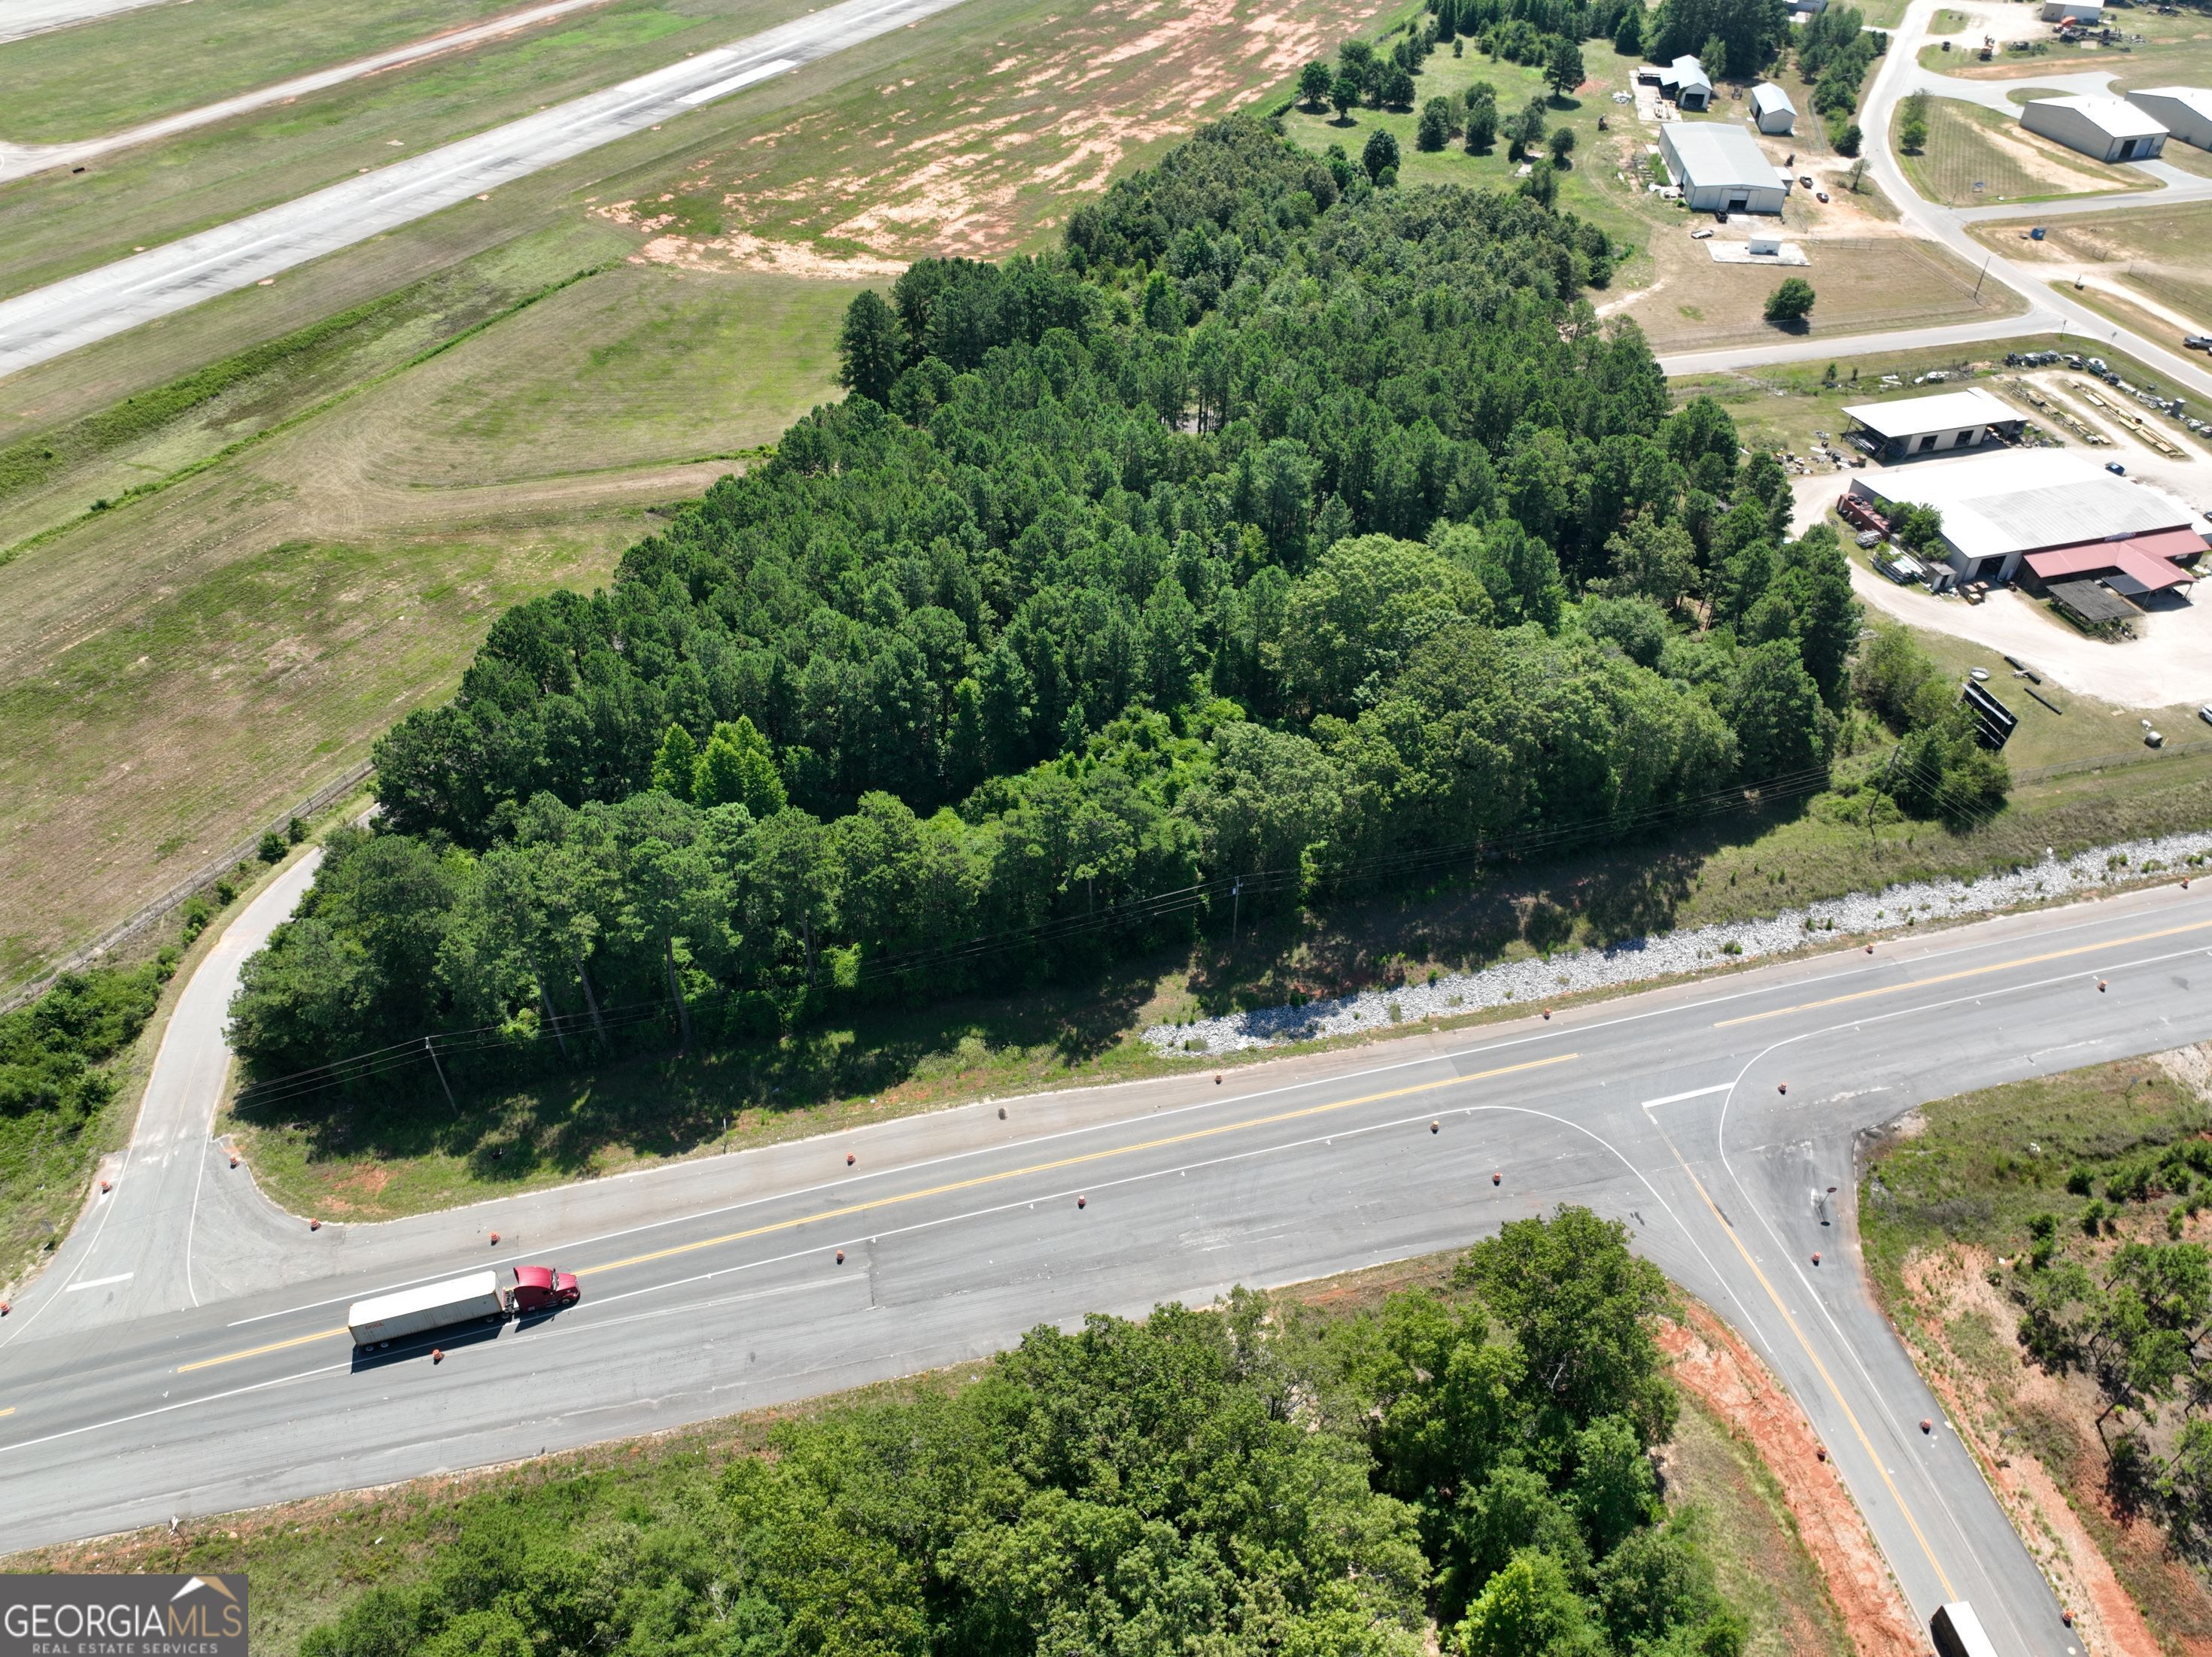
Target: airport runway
x=96, y=304
x=712, y=1286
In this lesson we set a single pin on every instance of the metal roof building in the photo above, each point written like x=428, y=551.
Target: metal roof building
x=2186, y=112
x=1686, y=80
x=1930, y=425
x=2107, y=129
x=1720, y=168
x=2061, y=516
x=1770, y=109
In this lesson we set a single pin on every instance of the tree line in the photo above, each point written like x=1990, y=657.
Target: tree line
x=1261, y=1479
x=1280, y=523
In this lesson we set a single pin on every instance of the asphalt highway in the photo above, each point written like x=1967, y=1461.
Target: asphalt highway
x=20, y=19
x=96, y=304
x=713, y=1285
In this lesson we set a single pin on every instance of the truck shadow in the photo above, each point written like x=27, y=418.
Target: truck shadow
x=411, y=1348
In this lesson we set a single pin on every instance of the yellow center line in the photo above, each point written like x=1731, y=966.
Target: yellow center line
x=9, y=1411
x=1968, y=972
x=1827, y=1380
x=968, y=1185
x=874, y=1204
x=256, y=1351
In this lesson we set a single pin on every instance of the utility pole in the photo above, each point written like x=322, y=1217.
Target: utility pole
x=1874, y=805
x=441, y=1069
x=1236, y=911
x=1986, y=257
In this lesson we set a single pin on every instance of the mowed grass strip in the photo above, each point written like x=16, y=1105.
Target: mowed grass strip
x=56, y=223
x=118, y=72
x=176, y=670
x=1975, y=157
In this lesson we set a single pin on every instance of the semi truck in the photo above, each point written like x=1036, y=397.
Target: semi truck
x=494, y=1292
x=1959, y=1633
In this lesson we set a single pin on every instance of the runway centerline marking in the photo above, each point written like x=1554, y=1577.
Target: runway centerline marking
x=895, y=1200
x=1963, y=972
x=1827, y=1380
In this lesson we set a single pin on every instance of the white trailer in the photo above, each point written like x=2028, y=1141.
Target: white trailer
x=433, y=1306
x=1957, y=1632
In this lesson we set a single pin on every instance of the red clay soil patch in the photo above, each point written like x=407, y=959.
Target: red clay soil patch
x=975, y=159
x=1951, y=1288
x=1709, y=1360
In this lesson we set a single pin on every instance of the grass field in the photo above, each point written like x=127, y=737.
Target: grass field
x=271, y=586
x=1589, y=187
x=1951, y=1195
x=1861, y=285
x=2156, y=250
x=307, y=1559
x=104, y=77
x=53, y=224
x=176, y=668
x=1969, y=146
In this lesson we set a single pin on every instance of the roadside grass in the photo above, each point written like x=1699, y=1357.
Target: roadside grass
x=1761, y=1560
x=1968, y=145
x=45, y=1179
x=56, y=223
x=1947, y=1194
x=117, y=72
x=1861, y=285
x=402, y=1150
x=176, y=668
x=2156, y=250
x=308, y=1559
x=1947, y=21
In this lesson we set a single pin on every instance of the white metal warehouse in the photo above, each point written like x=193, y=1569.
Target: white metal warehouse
x=1770, y=109
x=2106, y=129
x=1931, y=425
x=1720, y=168
x=1686, y=81
x=2186, y=112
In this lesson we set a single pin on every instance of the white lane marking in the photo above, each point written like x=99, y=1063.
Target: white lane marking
x=99, y=1283
x=181, y=1403
x=1479, y=1051
x=744, y=78
x=1694, y=1093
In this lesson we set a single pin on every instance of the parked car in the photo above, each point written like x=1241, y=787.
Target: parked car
x=1720, y=215
x=2205, y=714
x=1870, y=538
x=1805, y=180
x=1701, y=232
x=2115, y=469
x=2198, y=342
x=1820, y=194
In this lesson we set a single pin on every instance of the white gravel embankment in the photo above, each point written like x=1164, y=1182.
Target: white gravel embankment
x=1534, y=981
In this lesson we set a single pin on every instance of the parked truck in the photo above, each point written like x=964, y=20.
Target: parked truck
x=493, y=1293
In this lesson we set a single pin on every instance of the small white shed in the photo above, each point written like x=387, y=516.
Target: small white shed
x=1771, y=111
x=2081, y=11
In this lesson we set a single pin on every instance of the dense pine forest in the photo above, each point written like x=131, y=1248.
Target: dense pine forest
x=1262, y=1479
x=1281, y=525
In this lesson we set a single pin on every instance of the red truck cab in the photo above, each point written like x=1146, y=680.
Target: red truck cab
x=541, y=1289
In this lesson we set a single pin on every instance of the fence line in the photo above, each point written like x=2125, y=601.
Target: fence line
x=147, y=914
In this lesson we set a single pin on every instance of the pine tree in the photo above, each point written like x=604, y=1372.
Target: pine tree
x=677, y=765
x=738, y=769
x=869, y=348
